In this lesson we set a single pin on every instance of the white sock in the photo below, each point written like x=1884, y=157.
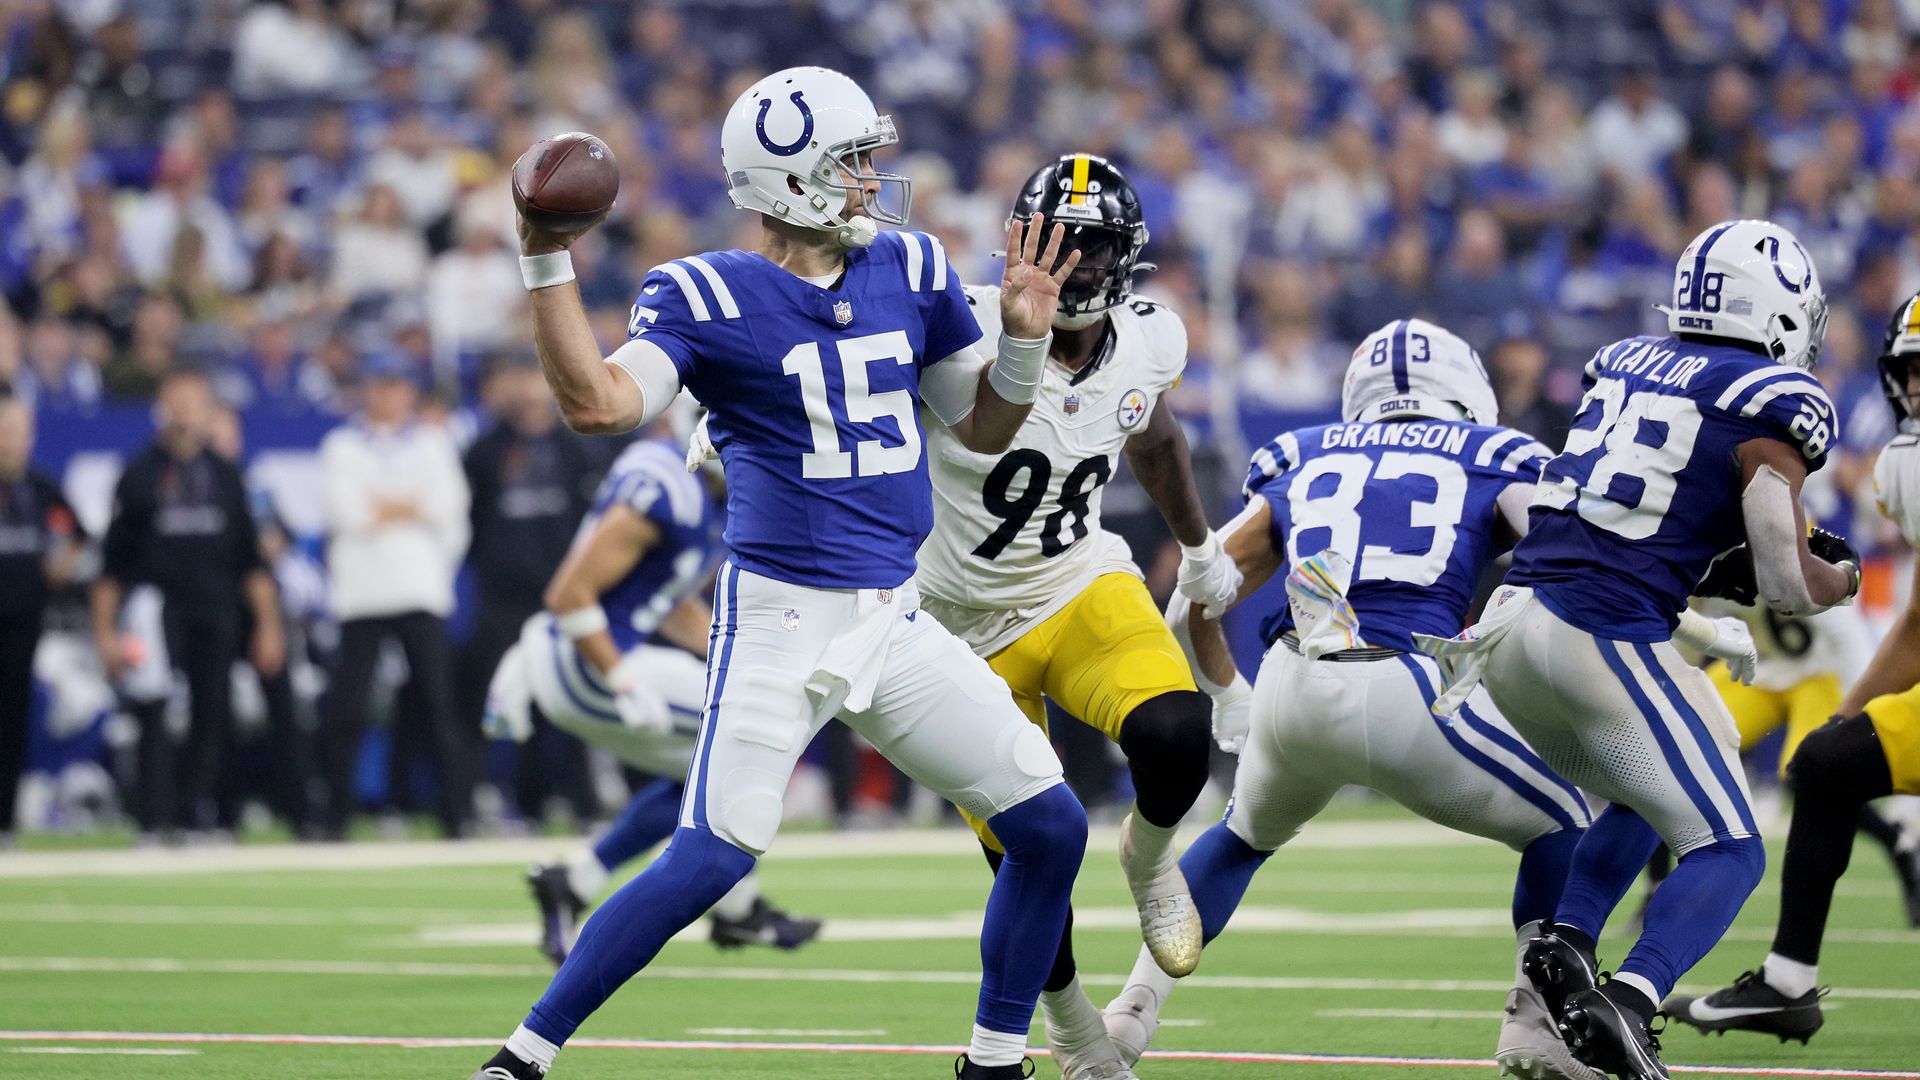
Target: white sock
x=1147, y=974
x=531, y=1048
x=738, y=903
x=1790, y=977
x=585, y=876
x=1640, y=986
x=1072, y=1019
x=992, y=1048
x=1149, y=846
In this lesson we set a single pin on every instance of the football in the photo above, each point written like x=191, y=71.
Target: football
x=565, y=182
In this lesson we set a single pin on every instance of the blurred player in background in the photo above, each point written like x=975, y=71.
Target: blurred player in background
x=1380, y=525
x=1685, y=447
x=1870, y=749
x=617, y=660
x=1020, y=569
x=813, y=353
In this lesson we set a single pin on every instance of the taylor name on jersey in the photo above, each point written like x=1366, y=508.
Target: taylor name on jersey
x=1017, y=534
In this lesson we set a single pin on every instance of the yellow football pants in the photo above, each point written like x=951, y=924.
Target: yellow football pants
x=1099, y=658
x=1896, y=720
x=1802, y=707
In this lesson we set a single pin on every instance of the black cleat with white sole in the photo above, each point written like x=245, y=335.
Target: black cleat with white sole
x=1751, y=1004
x=1558, y=969
x=506, y=1065
x=764, y=925
x=560, y=909
x=1610, y=1036
x=965, y=1069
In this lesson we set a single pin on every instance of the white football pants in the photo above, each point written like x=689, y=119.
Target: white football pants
x=1633, y=723
x=783, y=659
x=1319, y=725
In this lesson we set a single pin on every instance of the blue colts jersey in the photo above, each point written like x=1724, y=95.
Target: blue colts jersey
x=814, y=399
x=1410, y=504
x=1647, y=492
x=650, y=478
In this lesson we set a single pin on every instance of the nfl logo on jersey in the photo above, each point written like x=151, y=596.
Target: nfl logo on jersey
x=843, y=311
x=1072, y=404
x=789, y=620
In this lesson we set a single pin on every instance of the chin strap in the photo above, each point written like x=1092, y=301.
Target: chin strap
x=858, y=232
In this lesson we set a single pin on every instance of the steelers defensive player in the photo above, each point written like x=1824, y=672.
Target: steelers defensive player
x=1872, y=748
x=1019, y=568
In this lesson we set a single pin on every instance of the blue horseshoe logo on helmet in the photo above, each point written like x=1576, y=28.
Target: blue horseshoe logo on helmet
x=1772, y=244
x=806, y=131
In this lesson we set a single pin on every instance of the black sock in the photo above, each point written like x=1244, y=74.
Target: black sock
x=1884, y=832
x=1064, y=968
x=1837, y=768
x=513, y=1063
x=1629, y=998
x=1660, y=865
x=1575, y=937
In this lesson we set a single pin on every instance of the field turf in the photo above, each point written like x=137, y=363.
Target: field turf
x=1373, y=939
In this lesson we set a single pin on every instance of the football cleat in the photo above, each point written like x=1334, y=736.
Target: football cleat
x=965, y=1069
x=1530, y=1045
x=1558, y=969
x=506, y=1065
x=1908, y=865
x=1131, y=1023
x=764, y=925
x=1751, y=1004
x=1169, y=921
x=1098, y=1061
x=1611, y=1037
x=560, y=909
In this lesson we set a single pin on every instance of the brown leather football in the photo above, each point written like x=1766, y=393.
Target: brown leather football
x=566, y=182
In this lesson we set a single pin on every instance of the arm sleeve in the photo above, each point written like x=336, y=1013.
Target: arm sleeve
x=951, y=387
x=653, y=371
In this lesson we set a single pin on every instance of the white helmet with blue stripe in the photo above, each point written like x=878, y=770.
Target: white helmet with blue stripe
x=1411, y=367
x=808, y=127
x=1751, y=281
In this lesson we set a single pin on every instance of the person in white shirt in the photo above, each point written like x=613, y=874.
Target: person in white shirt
x=396, y=516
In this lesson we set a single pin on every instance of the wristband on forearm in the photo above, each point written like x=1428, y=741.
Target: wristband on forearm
x=581, y=622
x=543, y=271
x=1015, y=374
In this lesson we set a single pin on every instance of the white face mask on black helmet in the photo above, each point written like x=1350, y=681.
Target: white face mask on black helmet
x=1751, y=281
x=809, y=127
x=1411, y=367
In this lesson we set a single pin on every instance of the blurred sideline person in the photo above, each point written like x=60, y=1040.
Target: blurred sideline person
x=1871, y=748
x=182, y=523
x=1019, y=567
x=618, y=661
x=531, y=481
x=39, y=540
x=396, y=516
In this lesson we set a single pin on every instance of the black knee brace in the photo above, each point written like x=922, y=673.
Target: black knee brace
x=1167, y=740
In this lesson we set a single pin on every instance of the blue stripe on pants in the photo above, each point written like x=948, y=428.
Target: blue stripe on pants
x=697, y=781
x=1676, y=762
x=1542, y=801
x=1709, y=748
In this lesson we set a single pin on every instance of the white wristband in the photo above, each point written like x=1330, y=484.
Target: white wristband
x=1205, y=549
x=1015, y=374
x=542, y=271
x=581, y=622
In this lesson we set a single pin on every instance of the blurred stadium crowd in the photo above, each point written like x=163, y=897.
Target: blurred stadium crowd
x=302, y=199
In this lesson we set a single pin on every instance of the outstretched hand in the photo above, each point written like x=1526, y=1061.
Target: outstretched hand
x=1029, y=293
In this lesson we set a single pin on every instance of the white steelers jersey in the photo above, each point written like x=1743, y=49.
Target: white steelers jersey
x=1835, y=642
x=1896, y=484
x=1017, y=535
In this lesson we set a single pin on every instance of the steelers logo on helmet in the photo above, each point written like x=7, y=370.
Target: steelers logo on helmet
x=1133, y=409
x=1899, y=364
x=1092, y=198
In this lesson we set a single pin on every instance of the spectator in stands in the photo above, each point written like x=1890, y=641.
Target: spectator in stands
x=396, y=517
x=475, y=298
x=378, y=254
x=136, y=372
x=39, y=541
x=531, y=480
x=182, y=523
x=1519, y=369
x=1633, y=131
x=417, y=165
x=55, y=376
x=291, y=47
x=151, y=224
x=1479, y=292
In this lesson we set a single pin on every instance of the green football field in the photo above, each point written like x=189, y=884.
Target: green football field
x=1371, y=948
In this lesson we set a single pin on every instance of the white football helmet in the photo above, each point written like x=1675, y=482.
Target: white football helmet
x=1751, y=281
x=1411, y=367
x=811, y=125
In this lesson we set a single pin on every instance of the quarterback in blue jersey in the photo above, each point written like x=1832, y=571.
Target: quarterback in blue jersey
x=813, y=354
x=1685, y=448
x=617, y=660
x=1380, y=525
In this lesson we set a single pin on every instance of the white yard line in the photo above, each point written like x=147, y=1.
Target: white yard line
x=788, y=1033
x=1250, y=1057
x=421, y=854
x=1410, y=1014
x=115, y=1051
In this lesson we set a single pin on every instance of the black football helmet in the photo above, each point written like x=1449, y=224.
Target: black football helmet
x=1899, y=351
x=1093, y=200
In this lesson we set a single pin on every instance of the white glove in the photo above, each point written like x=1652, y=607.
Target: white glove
x=1233, y=714
x=1733, y=643
x=640, y=706
x=699, y=445
x=1208, y=576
